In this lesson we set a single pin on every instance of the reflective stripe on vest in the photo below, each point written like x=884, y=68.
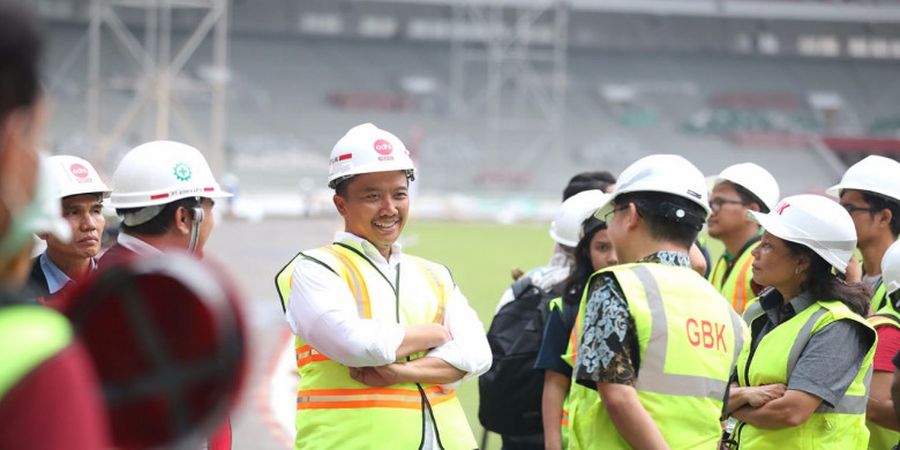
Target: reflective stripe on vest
x=371, y=398
x=737, y=287
x=653, y=377
x=839, y=427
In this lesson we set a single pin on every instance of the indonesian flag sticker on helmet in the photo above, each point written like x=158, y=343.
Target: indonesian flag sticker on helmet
x=368, y=149
x=167, y=339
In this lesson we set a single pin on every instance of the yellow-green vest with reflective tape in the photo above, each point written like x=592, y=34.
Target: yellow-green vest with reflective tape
x=840, y=427
x=881, y=302
x=689, y=339
x=30, y=335
x=880, y=437
x=336, y=411
x=736, y=288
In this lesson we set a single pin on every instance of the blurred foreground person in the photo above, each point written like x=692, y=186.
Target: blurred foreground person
x=49, y=398
x=383, y=337
x=167, y=339
x=81, y=193
x=659, y=343
x=804, y=380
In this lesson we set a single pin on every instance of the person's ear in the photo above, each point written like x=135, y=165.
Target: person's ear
x=632, y=217
x=803, y=263
x=183, y=220
x=885, y=216
x=340, y=203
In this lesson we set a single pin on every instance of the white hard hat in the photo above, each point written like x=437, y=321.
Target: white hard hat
x=367, y=149
x=890, y=268
x=161, y=172
x=874, y=174
x=816, y=222
x=668, y=174
x=753, y=178
x=566, y=226
x=75, y=176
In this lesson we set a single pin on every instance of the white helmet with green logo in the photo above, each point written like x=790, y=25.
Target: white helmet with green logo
x=154, y=174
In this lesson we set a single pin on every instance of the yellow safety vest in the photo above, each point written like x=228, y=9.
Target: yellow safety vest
x=880, y=437
x=689, y=339
x=841, y=427
x=336, y=411
x=736, y=288
x=30, y=335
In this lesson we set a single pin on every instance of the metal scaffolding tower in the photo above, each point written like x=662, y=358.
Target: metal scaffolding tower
x=509, y=70
x=158, y=66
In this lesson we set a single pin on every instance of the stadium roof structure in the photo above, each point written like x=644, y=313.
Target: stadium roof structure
x=812, y=10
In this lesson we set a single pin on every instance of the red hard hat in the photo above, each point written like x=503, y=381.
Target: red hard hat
x=168, y=342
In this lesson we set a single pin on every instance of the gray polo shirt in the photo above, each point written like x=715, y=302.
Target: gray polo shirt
x=830, y=360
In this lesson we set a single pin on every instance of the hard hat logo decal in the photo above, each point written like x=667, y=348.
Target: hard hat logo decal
x=780, y=209
x=383, y=147
x=80, y=172
x=182, y=171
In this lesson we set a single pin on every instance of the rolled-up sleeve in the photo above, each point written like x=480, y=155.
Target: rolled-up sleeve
x=468, y=351
x=322, y=312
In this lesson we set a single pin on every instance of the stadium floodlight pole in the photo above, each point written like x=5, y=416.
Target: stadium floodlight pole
x=159, y=67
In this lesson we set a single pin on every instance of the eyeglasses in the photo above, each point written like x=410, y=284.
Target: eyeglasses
x=852, y=209
x=717, y=204
x=608, y=215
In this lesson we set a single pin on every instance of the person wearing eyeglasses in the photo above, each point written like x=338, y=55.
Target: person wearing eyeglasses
x=870, y=192
x=736, y=190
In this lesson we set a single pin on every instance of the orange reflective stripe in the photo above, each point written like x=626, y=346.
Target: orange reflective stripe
x=306, y=354
x=370, y=398
x=564, y=421
x=739, y=301
x=356, y=281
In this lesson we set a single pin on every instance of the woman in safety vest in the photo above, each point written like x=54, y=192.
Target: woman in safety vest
x=803, y=381
x=593, y=252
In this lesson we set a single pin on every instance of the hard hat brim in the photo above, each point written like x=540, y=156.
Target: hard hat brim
x=775, y=226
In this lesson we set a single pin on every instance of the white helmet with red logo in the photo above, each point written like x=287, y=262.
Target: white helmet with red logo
x=368, y=149
x=816, y=222
x=75, y=176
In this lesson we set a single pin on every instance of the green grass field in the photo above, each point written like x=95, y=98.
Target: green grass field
x=480, y=257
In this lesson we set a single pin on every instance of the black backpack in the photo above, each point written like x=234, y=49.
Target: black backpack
x=510, y=392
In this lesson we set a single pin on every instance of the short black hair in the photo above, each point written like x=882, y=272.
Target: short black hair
x=160, y=223
x=21, y=47
x=748, y=197
x=879, y=203
x=586, y=181
x=668, y=217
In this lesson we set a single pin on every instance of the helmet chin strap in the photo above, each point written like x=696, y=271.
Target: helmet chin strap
x=195, y=229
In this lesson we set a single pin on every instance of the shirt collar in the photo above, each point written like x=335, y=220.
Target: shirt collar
x=56, y=278
x=668, y=258
x=772, y=301
x=369, y=249
x=137, y=245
